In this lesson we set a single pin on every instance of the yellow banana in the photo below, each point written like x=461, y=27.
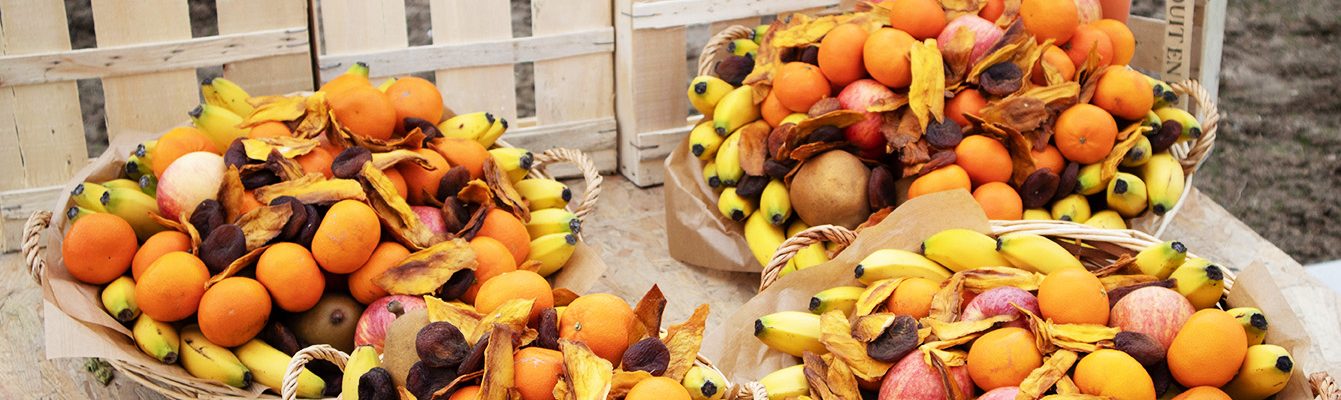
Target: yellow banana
x=759, y=32
x=728, y=161
x=1164, y=182
x=118, y=298
x=224, y=93
x=731, y=205
x=136, y=167
x=793, y=118
x=122, y=183
x=1139, y=154
x=90, y=196
x=1265, y=371
x=1127, y=195
x=361, y=360
x=703, y=142
x=552, y=251
x=1090, y=179
x=544, y=193
x=210, y=361
x=1191, y=127
x=842, y=298
x=1037, y=214
x=157, y=339
x=704, y=383
x=1036, y=253
x=704, y=93
x=514, y=161
x=218, y=123
x=1107, y=219
x=743, y=47
x=710, y=174
x=1152, y=121
x=734, y=110
x=791, y=332
x=1161, y=259
x=894, y=263
x=963, y=249
x=1200, y=281
x=467, y=126
x=386, y=84
x=135, y=207
x=495, y=131
x=1254, y=323
x=1074, y=208
x=149, y=185
x=75, y=212
x=809, y=256
x=786, y=383
x=552, y=220
x=1163, y=93
x=776, y=202
x=268, y=364
x=762, y=237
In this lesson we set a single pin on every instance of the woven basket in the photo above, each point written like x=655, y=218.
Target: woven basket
x=1190, y=154
x=1112, y=242
x=175, y=388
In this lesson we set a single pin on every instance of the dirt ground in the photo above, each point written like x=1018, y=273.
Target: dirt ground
x=1277, y=162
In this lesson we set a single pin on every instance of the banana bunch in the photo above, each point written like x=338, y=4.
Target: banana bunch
x=206, y=360
x=219, y=123
x=220, y=92
x=1164, y=181
x=121, y=197
x=544, y=193
x=516, y=162
x=480, y=126
x=552, y=220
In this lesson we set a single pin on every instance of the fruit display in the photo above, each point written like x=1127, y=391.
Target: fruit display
x=521, y=341
x=1018, y=314
x=1032, y=109
x=277, y=222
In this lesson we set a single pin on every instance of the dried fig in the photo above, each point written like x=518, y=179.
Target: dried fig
x=1038, y=188
x=453, y=181
x=733, y=69
x=209, y=214
x=279, y=336
x=827, y=133
x=457, y=285
x=441, y=345
x=376, y=384
x=751, y=186
x=1067, y=181
x=297, y=220
x=423, y=380
x=880, y=188
x=475, y=360
x=259, y=178
x=898, y=339
x=649, y=355
x=223, y=245
x=309, y=227
x=430, y=131
x=778, y=169
x=1001, y=79
x=236, y=155
x=349, y=162
x=945, y=134
x=549, y=329
x=810, y=55
x=454, y=214
x=1165, y=137
x=1161, y=377
x=1145, y=350
x=329, y=373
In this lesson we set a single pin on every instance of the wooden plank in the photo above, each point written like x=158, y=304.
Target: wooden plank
x=150, y=102
x=490, y=88
x=275, y=74
x=650, y=76
x=1212, y=43
x=360, y=26
x=1149, y=34
x=1178, y=39
x=678, y=13
x=482, y=53
x=578, y=87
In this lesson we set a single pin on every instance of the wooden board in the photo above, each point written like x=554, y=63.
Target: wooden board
x=151, y=102
x=491, y=88
x=269, y=75
x=380, y=25
x=576, y=89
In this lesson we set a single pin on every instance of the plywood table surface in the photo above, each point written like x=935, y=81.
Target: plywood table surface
x=627, y=230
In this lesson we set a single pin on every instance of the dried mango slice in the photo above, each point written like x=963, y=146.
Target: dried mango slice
x=649, y=311
x=945, y=303
x=313, y=189
x=393, y=211
x=389, y=159
x=979, y=280
x=463, y=316
x=504, y=192
x=623, y=381
x=426, y=270
x=684, y=340
x=588, y=376
x=875, y=295
x=237, y=265
x=499, y=374
x=318, y=117
x=926, y=95
x=836, y=335
x=264, y=223
x=290, y=147
x=1041, y=379
x=513, y=314
x=275, y=108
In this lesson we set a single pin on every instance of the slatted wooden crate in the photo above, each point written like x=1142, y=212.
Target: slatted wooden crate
x=473, y=55
x=146, y=59
x=651, y=72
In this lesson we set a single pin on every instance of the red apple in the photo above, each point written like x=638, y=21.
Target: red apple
x=997, y=301
x=912, y=379
x=985, y=35
x=1089, y=11
x=857, y=96
x=432, y=217
x=377, y=317
x=1001, y=393
x=1155, y=311
x=191, y=179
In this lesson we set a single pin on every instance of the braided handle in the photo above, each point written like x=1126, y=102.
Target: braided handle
x=749, y=391
x=1324, y=387
x=794, y=244
x=1208, y=113
x=289, y=389
x=589, y=172
x=32, y=243
x=707, y=59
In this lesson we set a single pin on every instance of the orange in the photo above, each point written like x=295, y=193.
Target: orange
x=178, y=142
x=515, y=285
x=345, y=81
x=1113, y=374
x=317, y=161
x=1049, y=158
x=362, y=281
x=1003, y=357
x=1124, y=43
x=999, y=201
x=922, y=19
x=967, y=101
x=913, y=297
x=840, y=54
x=156, y=246
x=885, y=55
x=493, y=258
x=601, y=321
x=233, y=311
x=1202, y=393
x=291, y=276
x=1073, y=296
x=422, y=183
x=772, y=110
x=1050, y=19
x=798, y=86
x=466, y=393
x=269, y=130
x=1124, y=93
x=348, y=234
x=249, y=202
x=412, y=96
x=992, y=10
x=99, y=248
x=508, y=230
x=984, y=159
x=658, y=388
x=1085, y=40
x=397, y=180
x=170, y=290
x=364, y=110
x=537, y=371
x=1208, y=350
x=463, y=152
x=1085, y=133
x=949, y=177
x=1056, y=58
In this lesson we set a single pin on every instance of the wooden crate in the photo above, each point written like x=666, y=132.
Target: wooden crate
x=146, y=59
x=472, y=57
x=654, y=114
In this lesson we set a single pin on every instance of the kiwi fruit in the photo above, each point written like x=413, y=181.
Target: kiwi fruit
x=332, y=321
x=831, y=189
x=399, y=352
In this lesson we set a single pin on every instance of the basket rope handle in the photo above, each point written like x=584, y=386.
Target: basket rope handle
x=289, y=389
x=707, y=59
x=589, y=173
x=1324, y=387
x=1208, y=113
x=32, y=243
x=794, y=244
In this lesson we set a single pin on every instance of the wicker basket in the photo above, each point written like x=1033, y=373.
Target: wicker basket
x=175, y=388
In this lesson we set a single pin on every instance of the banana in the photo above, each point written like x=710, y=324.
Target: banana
x=218, y=123
x=514, y=161
x=1265, y=371
x=134, y=206
x=762, y=237
x=89, y=195
x=710, y=174
x=734, y=110
x=1254, y=323
x=776, y=203
x=75, y=212
x=1127, y=195
x=136, y=167
x=836, y=298
x=1191, y=127
x=729, y=170
x=743, y=47
x=361, y=360
x=157, y=339
x=786, y=383
x=1161, y=259
x=224, y=93
x=809, y=256
x=210, y=361
x=1074, y=208
x=149, y=185
x=544, y=193
x=963, y=249
x=1037, y=214
x=268, y=364
x=1163, y=93
x=704, y=93
x=791, y=332
x=122, y=183
x=731, y=205
x=1107, y=219
x=793, y=118
x=467, y=126
x=145, y=151
x=1036, y=253
x=1139, y=154
x=759, y=32
x=552, y=251
x=552, y=220
x=1164, y=182
x=386, y=84
x=703, y=142
x=1152, y=121
x=1200, y=281
x=1090, y=179
x=496, y=130
x=893, y=263
x=118, y=298
x=703, y=383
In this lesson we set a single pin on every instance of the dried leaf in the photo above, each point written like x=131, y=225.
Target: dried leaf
x=836, y=334
x=276, y=108
x=313, y=189
x=945, y=303
x=949, y=385
x=1083, y=338
x=623, y=381
x=816, y=373
x=475, y=222
x=979, y=280
x=888, y=104
x=1041, y=379
x=684, y=340
x=803, y=30
x=649, y=311
x=957, y=8
x=389, y=159
x=875, y=295
x=1116, y=281
x=808, y=150
x=926, y=95
x=1030, y=60
x=287, y=146
x=842, y=383
x=587, y=375
x=461, y=315
x=563, y=297
x=868, y=327
x=317, y=119
x=1129, y=137
x=1022, y=113
x=507, y=196
x=959, y=329
x=237, y=265
x=754, y=146
x=264, y=223
x=499, y=378
x=476, y=191
x=916, y=153
x=513, y=314
x=392, y=210
x=900, y=129
x=1088, y=76
x=232, y=195
x=1053, y=93
x=426, y=270
x=958, y=57
x=413, y=139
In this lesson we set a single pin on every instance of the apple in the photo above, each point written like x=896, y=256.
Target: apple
x=997, y=301
x=985, y=35
x=1154, y=311
x=377, y=317
x=857, y=96
x=1089, y=11
x=913, y=379
x=432, y=217
x=1001, y=393
x=189, y=180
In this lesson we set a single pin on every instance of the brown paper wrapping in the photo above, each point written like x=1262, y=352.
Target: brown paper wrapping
x=743, y=358
x=696, y=233
x=76, y=325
